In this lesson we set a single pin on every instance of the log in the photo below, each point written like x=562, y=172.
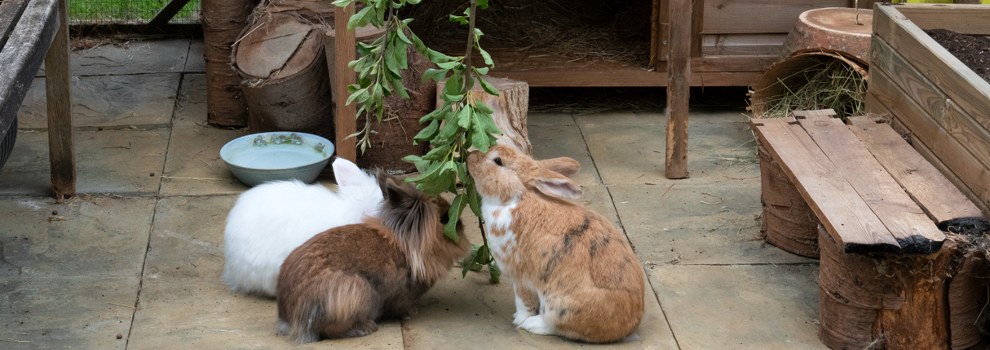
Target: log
x=788, y=222
x=843, y=30
x=222, y=22
x=281, y=62
x=902, y=301
x=511, y=107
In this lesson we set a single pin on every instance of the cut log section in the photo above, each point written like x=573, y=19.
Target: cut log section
x=222, y=22
x=838, y=29
x=788, y=222
x=281, y=62
x=511, y=108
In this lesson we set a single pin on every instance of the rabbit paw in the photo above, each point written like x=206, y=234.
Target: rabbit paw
x=536, y=325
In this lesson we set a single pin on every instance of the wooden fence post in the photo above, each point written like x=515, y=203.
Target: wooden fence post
x=678, y=88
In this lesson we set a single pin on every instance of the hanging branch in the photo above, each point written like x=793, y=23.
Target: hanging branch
x=456, y=126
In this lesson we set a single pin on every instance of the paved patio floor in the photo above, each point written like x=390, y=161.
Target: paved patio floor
x=134, y=260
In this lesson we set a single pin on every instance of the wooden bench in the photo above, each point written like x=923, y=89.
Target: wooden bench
x=888, y=274
x=32, y=31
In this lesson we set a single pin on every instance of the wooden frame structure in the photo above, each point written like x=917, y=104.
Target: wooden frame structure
x=32, y=32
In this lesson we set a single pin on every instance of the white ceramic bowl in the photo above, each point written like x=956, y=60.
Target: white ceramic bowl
x=269, y=156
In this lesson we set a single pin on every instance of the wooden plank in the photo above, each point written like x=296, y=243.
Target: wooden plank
x=57, y=83
x=678, y=89
x=929, y=134
x=697, y=21
x=10, y=11
x=732, y=63
x=22, y=55
x=906, y=221
x=847, y=218
x=743, y=44
x=944, y=110
x=345, y=116
x=655, y=35
x=936, y=195
x=757, y=16
x=965, y=19
x=167, y=13
x=956, y=81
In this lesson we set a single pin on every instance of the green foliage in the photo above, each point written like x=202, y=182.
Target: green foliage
x=458, y=125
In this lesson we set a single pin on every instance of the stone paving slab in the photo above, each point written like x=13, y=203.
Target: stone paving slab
x=195, y=61
x=121, y=162
x=740, y=307
x=69, y=272
x=66, y=312
x=89, y=236
x=696, y=224
x=193, y=165
x=110, y=101
x=717, y=149
x=134, y=57
x=552, y=141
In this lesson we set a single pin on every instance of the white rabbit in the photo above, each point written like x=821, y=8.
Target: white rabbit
x=270, y=220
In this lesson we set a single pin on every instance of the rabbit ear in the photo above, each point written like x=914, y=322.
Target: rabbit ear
x=566, y=166
x=347, y=173
x=555, y=185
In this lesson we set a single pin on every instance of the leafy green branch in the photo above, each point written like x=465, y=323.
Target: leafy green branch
x=459, y=124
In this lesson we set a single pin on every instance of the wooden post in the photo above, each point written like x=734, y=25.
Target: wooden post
x=57, y=83
x=345, y=117
x=678, y=88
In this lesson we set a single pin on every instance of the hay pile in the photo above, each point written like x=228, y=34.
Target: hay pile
x=579, y=30
x=810, y=82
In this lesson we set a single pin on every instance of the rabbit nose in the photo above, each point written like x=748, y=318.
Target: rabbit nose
x=474, y=157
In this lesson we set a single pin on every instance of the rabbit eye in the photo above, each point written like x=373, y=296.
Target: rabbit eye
x=498, y=161
x=444, y=218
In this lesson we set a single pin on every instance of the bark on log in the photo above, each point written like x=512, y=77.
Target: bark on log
x=511, y=108
x=788, y=222
x=281, y=60
x=222, y=22
x=901, y=301
x=839, y=29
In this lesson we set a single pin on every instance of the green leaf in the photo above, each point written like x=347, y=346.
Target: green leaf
x=392, y=60
x=399, y=89
x=454, y=215
x=488, y=87
x=486, y=57
x=437, y=114
x=468, y=263
x=420, y=163
x=448, y=65
x=474, y=200
x=479, y=137
x=462, y=20
x=464, y=117
x=434, y=74
x=342, y=3
x=361, y=18
x=402, y=35
x=494, y=273
x=481, y=71
x=482, y=4
x=360, y=96
x=438, y=153
x=454, y=85
x=427, y=132
x=447, y=130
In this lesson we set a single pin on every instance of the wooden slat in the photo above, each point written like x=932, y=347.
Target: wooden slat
x=345, y=116
x=934, y=101
x=10, y=10
x=678, y=89
x=957, y=82
x=22, y=55
x=57, y=83
x=948, y=150
x=906, y=221
x=965, y=19
x=939, y=197
x=732, y=63
x=845, y=215
x=757, y=16
x=697, y=22
x=743, y=44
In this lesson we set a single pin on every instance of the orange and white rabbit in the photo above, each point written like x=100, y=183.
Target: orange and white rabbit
x=574, y=273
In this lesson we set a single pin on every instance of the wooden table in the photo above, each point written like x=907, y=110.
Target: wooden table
x=32, y=31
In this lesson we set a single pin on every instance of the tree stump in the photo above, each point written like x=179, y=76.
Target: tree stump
x=511, y=108
x=902, y=301
x=788, y=222
x=839, y=29
x=281, y=62
x=222, y=22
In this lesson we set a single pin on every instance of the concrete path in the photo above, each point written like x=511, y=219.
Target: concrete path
x=134, y=260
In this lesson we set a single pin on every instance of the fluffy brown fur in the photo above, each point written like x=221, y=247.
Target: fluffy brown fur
x=340, y=282
x=572, y=259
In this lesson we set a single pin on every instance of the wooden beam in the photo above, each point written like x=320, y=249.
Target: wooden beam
x=10, y=11
x=57, y=90
x=22, y=55
x=678, y=88
x=345, y=117
x=167, y=13
x=697, y=24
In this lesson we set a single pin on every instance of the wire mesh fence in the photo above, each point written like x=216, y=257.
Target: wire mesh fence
x=127, y=11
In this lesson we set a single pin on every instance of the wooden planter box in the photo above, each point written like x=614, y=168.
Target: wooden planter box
x=941, y=104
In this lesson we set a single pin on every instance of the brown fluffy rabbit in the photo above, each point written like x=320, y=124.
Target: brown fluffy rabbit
x=342, y=280
x=573, y=272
